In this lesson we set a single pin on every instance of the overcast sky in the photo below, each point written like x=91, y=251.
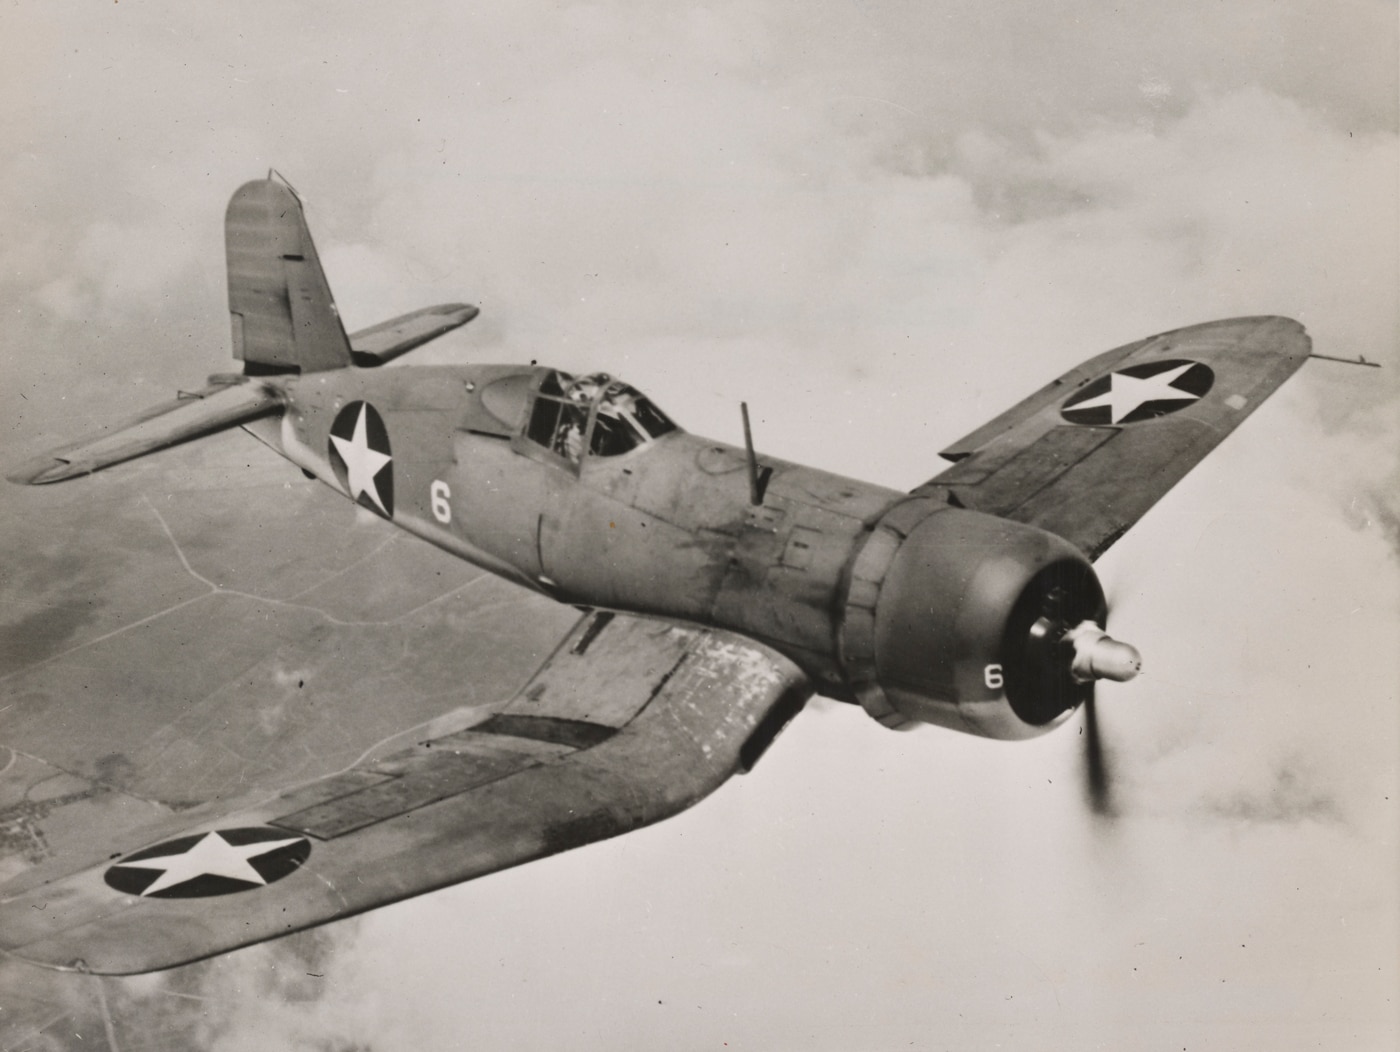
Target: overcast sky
x=880, y=224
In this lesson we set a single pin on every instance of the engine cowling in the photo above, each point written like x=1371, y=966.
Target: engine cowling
x=975, y=623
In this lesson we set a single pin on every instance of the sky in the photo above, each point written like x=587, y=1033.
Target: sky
x=879, y=224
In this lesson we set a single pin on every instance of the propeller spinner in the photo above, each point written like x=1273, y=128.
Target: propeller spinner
x=1097, y=655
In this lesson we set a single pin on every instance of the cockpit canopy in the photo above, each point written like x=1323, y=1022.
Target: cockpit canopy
x=604, y=416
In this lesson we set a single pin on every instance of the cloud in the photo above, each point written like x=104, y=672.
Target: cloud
x=1291, y=796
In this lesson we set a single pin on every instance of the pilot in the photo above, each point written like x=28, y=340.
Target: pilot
x=572, y=442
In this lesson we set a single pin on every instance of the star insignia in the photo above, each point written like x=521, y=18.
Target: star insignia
x=1139, y=392
x=213, y=863
x=360, y=455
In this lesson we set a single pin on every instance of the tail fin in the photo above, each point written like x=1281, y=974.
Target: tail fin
x=284, y=318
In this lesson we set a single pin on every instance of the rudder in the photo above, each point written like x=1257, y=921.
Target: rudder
x=284, y=317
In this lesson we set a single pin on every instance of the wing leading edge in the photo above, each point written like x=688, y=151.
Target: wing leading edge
x=1088, y=454
x=630, y=721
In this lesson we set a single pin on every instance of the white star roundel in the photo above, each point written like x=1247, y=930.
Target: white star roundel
x=359, y=451
x=1139, y=392
x=219, y=862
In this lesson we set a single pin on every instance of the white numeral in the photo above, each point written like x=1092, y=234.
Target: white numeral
x=442, y=511
x=992, y=676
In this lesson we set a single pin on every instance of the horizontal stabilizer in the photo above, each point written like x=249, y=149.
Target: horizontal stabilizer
x=389, y=339
x=187, y=417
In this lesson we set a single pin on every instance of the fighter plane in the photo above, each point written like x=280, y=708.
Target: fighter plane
x=716, y=589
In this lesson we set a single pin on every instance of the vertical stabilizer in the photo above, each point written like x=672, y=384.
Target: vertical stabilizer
x=284, y=318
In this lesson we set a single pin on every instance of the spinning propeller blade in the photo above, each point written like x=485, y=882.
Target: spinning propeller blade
x=1097, y=656
x=1097, y=784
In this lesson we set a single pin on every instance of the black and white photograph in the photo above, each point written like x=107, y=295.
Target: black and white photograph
x=769, y=526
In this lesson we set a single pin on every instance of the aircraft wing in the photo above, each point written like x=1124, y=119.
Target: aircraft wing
x=629, y=721
x=187, y=417
x=1088, y=454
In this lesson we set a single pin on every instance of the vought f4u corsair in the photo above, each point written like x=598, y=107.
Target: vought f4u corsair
x=718, y=588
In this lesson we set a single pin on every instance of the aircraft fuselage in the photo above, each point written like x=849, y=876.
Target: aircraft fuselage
x=665, y=528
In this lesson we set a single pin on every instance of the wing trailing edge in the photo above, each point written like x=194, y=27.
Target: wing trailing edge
x=216, y=408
